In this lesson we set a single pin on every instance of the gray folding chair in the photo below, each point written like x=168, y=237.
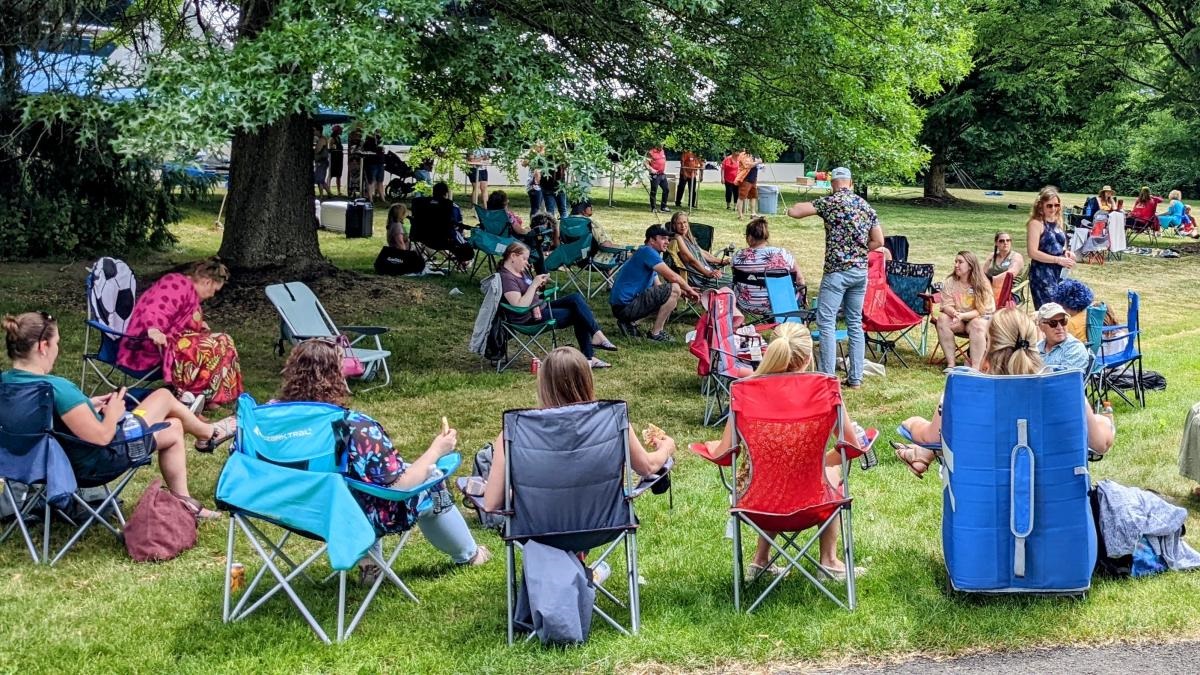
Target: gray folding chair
x=302, y=317
x=568, y=484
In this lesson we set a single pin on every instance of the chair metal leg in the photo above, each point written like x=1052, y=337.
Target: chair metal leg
x=509, y=570
x=284, y=583
x=635, y=591
x=737, y=563
x=18, y=521
x=848, y=554
x=228, y=573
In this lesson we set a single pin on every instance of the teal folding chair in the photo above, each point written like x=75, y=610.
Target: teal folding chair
x=525, y=332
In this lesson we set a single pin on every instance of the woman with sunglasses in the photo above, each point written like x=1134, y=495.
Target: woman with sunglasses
x=1047, y=245
x=168, y=330
x=32, y=340
x=1004, y=258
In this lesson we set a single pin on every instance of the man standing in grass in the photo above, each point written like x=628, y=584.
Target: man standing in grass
x=639, y=290
x=851, y=231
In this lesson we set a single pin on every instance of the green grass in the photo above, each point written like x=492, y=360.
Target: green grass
x=100, y=612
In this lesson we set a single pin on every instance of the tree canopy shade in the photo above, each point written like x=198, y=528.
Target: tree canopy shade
x=834, y=78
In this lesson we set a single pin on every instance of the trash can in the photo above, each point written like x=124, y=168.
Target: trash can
x=768, y=198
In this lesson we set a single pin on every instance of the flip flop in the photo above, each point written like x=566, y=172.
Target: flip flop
x=597, y=363
x=606, y=346
x=906, y=454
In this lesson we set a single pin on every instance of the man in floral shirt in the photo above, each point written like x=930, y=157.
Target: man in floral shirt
x=851, y=231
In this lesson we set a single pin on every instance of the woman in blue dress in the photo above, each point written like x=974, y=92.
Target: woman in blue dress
x=1047, y=246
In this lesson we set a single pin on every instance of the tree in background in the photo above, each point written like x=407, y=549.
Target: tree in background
x=580, y=77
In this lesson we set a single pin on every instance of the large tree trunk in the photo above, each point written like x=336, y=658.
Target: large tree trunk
x=935, y=180
x=269, y=229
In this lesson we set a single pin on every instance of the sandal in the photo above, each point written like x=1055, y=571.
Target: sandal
x=482, y=555
x=368, y=573
x=908, y=455
x=754, y=571
x=222, y=431
x=606, y=345
x=197, y=509
x=597, y=363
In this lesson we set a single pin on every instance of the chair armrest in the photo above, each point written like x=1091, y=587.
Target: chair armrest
x=904, y=433
x=648, y=482
x=852, y=451
x=447, y=465
x=476, y=502
x=515, y=309
x=367, y=330
x=720, y=458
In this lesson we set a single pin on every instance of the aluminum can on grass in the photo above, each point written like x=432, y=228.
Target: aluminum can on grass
x=535, y=365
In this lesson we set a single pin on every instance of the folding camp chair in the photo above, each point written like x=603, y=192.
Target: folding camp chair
x=111, y=295
x=720, y=362
x=568, y=484
x=490, y=239
x=886, y=317
x=436, y=236
x=527, y=333
x=1002, y=297
x=302, y=317
x=34, y=455
x=786, y=424
x=898, y=245
x=571, y=255
x=786, y=307
x=605, y=261
x=912, y=282
x=704, y=235
x=1095, y=343
x=286, y=471
x=1124, y=357
x=1015, y=511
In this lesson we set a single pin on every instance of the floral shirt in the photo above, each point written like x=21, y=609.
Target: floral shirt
x=371, y=458
x=758, y=261
x=848, y=222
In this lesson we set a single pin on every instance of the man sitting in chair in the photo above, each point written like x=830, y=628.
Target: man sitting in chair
x=1057, y=346
x=639, y=289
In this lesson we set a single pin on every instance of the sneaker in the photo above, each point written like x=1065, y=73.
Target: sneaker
x=628, y=329
x=661, y=336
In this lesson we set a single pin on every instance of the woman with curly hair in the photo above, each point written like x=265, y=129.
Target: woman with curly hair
x=313, y=372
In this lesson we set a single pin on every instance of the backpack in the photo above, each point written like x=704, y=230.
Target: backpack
x=161, y=526
x=483, y=467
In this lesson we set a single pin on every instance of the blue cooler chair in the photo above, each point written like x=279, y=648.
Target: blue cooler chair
x=1016, y=516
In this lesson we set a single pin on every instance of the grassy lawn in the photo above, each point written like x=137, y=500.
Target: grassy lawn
x=98, y=611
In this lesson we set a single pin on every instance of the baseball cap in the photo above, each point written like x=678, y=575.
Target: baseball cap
x=657, y=231
x=840, y=173
x=1050, y=310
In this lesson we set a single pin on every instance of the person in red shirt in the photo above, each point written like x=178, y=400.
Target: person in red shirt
x=690, y=166
x=729, y=171
x=656, y=164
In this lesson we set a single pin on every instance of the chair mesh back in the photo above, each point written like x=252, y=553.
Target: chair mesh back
x=909, y=280
x=300, y=311
x=703, y=234
x=566, y=469
x=494, y=223
x=297, y=435
x=786, y=422
x=24, y=409
x=782, y=294
x=898, y=245
x=722, y=342
x=432, y=223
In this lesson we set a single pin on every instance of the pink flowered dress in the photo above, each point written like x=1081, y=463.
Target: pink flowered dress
x=195, y=359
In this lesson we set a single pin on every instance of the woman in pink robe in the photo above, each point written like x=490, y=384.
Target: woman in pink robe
x=169, y=317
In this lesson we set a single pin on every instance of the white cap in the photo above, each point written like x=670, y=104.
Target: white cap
x=840, y=173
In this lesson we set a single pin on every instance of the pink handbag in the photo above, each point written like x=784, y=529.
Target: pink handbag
x=352, y=366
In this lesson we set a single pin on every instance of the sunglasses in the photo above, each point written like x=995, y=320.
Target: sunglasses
x=1004, y=241
x=1053, y=206
x=46, y=321
x=1055, y=323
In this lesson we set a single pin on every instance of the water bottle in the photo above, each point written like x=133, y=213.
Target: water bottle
x=868, y=459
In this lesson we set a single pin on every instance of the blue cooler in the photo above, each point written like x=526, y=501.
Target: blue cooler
x=1015, y=511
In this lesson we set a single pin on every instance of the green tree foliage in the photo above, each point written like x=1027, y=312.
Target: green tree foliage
x=582, y=77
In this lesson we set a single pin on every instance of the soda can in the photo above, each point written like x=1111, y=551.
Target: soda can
x=535, y=365
x=237, y=577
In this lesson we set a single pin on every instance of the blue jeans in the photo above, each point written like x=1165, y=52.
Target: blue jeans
x=573, y=311
x=535, y=201
x=448, y=533
x=842, y=290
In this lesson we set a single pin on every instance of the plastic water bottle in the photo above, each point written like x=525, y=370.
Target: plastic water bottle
x=868, y=459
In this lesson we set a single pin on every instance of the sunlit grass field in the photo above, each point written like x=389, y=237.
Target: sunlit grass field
x=99, y=612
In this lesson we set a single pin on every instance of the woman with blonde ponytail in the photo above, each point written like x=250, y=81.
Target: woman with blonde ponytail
x=1012, y=350
x=791, y=351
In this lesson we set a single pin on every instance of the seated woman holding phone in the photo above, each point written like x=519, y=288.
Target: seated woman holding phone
x=313, y=372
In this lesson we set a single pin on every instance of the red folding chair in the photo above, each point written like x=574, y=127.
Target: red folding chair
x=786, y=423
x=886, y=317
x=716, y=347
